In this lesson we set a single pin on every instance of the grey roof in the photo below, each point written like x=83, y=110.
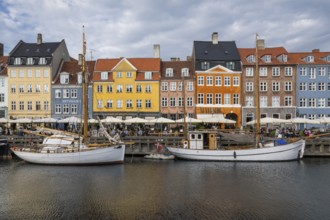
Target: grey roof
x=34, y=50
x=224, y=50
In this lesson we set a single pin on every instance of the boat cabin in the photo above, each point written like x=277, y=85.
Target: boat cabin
x=203, y=140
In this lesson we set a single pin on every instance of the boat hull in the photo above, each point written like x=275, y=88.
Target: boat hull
x=287, y=152
x=104, y=155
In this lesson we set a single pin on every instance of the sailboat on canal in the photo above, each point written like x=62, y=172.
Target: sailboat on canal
x=71, y=149
x=205, y=145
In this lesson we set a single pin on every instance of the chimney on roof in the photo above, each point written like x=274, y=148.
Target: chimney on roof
x=189, y=58
x=1, y=49
x=261, y=44
x=39, y=38
x=316, y=50
x=215, y=38
x=175, y=58
x=156, y=51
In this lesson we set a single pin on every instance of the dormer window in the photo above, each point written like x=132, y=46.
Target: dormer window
x=310, y=59
x=79, y=78
x=284, y=58
x=18, y=61
x=30, y=61
x=185, y=72
x=147, y=75
x=251, y=59
x=104, y=75
x=267, y=58
x=328, y=58
x=42, y=61
x=169, y=72
x=205, y=65
x=65, y=78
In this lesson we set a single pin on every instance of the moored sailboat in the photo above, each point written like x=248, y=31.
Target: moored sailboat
x=206, y=144
x=71, y=149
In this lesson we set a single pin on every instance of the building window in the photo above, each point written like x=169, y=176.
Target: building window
x=303, y=71
x=109, y=103
x=321, y=86
x=321, y=102
x=109, y=88
x=57, y=93
x=21, y=73
x=275, y=86
x=29, y=73
x=99, y=103
x=251, y=59
x=288, y=101
x=263, y=101
x=66, y=93
x=79, y=78
x=205, y=65
x=235, y=81
x=263, y=87
x=74, y=93
x=58, y=109
x=218, y=99
x=129, y=75
x=99, y=88
x=129, y=88
x=190, y=86
x=169, y=72
x=74, y=109
x=249, y=101
x=180, y=85
x=249, y=71
x=303, y=102
x=310, y=59
x=303, y=86
x=275, y=71
x=46, y=105
x=322, y=71
x=29, y=88
x=148, y=75
x=164, y=102
x=184, y=72
x=29, y=105
x=226, y=100
x=312, y=86
x=119, y=104
x=230, y=65
x=276, y=101
x=148, y=88
x=138, y=103
x=148, y=103
x=13, y=89
x=2, y=97
x=38, y=105
x=129, y=103
x=104, y=75
x=138, y=88
x=249, y=87
x=180, y=101
x=263, y=71
x=200, y=80
x=209, y=98
x=17, y=61
x=164, y=86
x=218, y=81
x=209, y=80
x=46, y=90
x=42, y=61
x=172, y=86
x=227, y=81
x=189, y=101
x=46, y=73
x=200, y=98
x=38, y=88
x=312, y=74
x=13, y=105
x=21, y=105
x=13, y=73
x=119, y=89
x=267, y=58
x=119, y=75
x=64, y=79
x=288, y=86
x=66, y=109
x=21, y=88
x=172, y=102
x=235, y=99
x=288, y=71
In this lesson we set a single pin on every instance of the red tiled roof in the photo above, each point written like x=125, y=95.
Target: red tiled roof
x=318, y=57
x=273, y=51
x=177, y=66
x=3, y=65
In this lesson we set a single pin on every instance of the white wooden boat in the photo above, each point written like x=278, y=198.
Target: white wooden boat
x=204, y=145
x=70, y=150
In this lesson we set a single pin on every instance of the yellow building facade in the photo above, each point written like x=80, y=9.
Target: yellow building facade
x=126, y=87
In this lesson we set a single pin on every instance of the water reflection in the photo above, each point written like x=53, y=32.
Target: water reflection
x=166, y=190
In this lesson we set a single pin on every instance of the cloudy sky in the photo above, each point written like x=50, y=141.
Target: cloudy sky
x=130, y=28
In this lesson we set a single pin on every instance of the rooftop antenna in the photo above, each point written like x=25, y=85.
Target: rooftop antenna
x=91, y=51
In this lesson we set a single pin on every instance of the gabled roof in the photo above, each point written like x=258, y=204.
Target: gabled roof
x=275, y=52
x=319, y=57
x=23, y=49
x=74, y=69
x=177, y=67
x=218, y=68
x=141, y=64
x=224, y=50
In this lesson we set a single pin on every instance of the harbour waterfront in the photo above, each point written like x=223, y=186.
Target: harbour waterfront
x=146, y=189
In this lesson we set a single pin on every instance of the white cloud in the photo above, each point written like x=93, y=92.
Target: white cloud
x=130, y=28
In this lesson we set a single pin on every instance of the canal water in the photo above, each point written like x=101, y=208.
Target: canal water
x=144, y=189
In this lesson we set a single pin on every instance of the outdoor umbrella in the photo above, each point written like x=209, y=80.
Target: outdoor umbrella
x=218, y=119
x=268, y=120
x=136, y=120
x=162, y=120
x=189, y=120
x=71, y=119
x=111, y=120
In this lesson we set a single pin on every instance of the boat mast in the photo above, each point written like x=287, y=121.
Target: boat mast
x=84, y=85
x=257, y=94
x=184, y=113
